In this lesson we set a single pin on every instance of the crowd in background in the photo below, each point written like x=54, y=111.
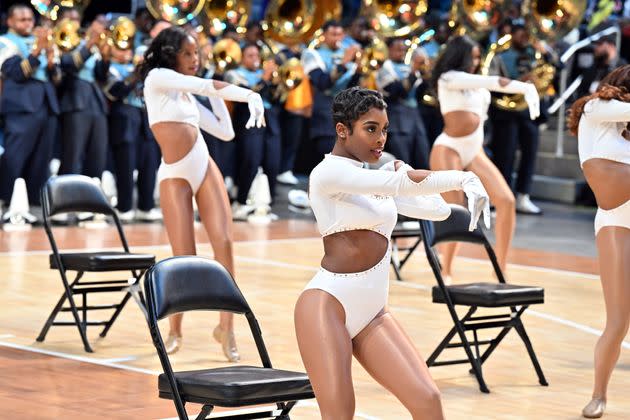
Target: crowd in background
x=81, y=111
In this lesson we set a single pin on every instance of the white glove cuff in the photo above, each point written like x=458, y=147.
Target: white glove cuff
x=517, y=86
x=233, y=93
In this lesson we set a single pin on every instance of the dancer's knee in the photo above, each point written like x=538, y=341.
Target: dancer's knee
x=427, y=399
x=505, y=201
x=336, y=405
x=617, y=329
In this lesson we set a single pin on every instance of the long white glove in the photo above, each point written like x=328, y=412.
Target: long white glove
x=253, y=99
x=478, y=200
x=256, y=111
x=533, y=100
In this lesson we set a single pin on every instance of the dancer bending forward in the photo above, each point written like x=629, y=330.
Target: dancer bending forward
x=187, y=170
x=601, y=123
x=343, y=310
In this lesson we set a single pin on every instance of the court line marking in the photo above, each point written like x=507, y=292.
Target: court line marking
x=112, y=363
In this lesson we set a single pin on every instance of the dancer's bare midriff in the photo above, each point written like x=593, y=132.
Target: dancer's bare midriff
x=353, y=251
x=176, y=139
x=461, y=123
x=609, y=181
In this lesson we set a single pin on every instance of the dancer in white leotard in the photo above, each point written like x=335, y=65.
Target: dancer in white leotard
x=464, y=98
x=187, y=171
x=601, y=122
x=343, y=310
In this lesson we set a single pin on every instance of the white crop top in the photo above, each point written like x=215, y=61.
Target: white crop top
x=169, y=97
x=600, y=131
x=345, y=196
x=461, y=91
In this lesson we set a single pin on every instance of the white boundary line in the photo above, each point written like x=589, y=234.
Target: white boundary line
x=112, y=363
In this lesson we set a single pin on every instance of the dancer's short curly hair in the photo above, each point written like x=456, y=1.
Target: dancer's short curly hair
x=162, y=53
x=350, y=104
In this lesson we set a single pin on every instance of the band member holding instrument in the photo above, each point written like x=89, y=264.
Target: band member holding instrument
x=28, y=104
x=330, y=70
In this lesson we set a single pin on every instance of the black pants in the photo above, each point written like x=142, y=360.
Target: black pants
x=323, y=145
x=433, y=121
x=407, y=137
x=511, y=131
x=28, y=145
x=258, y=147
x=292, y=129
x=84, y=139
x=133, y=147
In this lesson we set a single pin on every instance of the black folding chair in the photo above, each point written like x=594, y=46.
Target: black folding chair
x=189, y=283
x=476, y=295
x=78, y=193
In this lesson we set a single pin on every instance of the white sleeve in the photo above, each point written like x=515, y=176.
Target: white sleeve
x=462, y=80
x=425, y=207
x=343, y=178
x=607, y=111
x=167, y=79
x=216, y=122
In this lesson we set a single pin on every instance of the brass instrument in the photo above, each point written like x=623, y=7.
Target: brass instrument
x=50, y=8
x=66, y=35
x=477, y=18
x=297, y=21
x=216, y=12
x=394, y=18
x=177, y=12
x=293, y=22
x=226, y=55
x=546, y=20
x=121, y=33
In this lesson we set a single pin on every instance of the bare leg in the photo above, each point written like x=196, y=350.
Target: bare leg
x=387, y=353
x=176, y=202
x=613, y=245
x=502, y=197
x=444, y=158
x=326, y=350
x=216, y=216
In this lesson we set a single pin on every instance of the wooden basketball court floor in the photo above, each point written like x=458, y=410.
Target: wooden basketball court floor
x=58, y=380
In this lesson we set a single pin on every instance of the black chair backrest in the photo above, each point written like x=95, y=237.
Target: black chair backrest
x=188, y=283
x=455, y=228
x=74, y=193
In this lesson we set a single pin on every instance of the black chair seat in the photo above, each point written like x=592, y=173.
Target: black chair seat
x=491, y=294
x=239, y=385
x=104, y=261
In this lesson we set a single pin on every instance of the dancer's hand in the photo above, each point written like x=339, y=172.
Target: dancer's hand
x=478, y=200
x=256, y=111
x=533, y=101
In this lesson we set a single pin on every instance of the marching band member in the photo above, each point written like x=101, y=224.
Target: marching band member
x=130, y=137
x=84, y=108
x=330, y=70
x=28, y=104
x=407, y=138
x=256, y=146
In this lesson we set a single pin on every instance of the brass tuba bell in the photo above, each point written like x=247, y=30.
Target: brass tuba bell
x=66, y=35
x=177, y=12
x=477, y=18
x=121, y=33
x=50, y=8
x=216, y=13
x=394, y=18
